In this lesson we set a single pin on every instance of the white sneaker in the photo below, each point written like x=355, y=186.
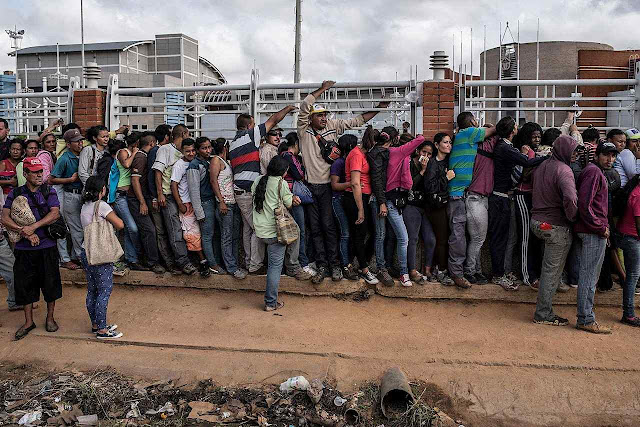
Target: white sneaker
x=309, y=270
x=406, y=281
x=369, y=278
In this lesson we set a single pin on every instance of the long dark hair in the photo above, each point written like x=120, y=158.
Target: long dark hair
x=346, y=143
x=373, y=137
x=277, y=167
x=92, y=189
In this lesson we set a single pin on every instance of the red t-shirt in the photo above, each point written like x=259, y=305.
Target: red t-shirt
x=627, y=224
x=357, y=161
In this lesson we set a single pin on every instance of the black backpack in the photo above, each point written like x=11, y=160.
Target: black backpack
x=329, y=150
x=55, y=231
x=621, y=197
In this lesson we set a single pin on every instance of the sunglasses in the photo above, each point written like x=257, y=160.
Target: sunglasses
x=274, y=134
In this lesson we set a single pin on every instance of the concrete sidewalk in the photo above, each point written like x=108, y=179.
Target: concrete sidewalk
x=289, y=285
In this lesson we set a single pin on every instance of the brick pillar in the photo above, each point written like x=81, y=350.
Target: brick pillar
x=437, y=107
x=88, y=107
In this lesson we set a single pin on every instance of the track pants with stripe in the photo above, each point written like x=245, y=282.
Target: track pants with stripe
x=529, y=246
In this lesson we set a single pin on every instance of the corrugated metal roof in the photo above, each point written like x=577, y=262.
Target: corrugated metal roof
x=88, y=47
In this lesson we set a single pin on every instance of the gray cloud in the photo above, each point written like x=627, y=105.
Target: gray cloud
x=355, y=40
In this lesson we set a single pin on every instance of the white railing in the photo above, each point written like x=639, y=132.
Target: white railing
x=39, y=107
x=212, y=109
x=547, y=104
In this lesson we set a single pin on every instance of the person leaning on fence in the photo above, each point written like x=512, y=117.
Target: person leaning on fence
x=269, y=191
x=244, y=157
x=461, y=159
x=166, y=156
x=139, y=202
x=555, y=206
x=65, y=173
x=314, y=130
x=36, y=255
x=99, y=277
x=224, y=207
x=505, y=158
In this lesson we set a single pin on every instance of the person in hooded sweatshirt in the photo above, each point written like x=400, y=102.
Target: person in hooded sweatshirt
x=592, y=229
x=555, y=206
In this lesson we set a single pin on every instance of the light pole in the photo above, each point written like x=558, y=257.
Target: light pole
x=82, y=41
x=16, y=35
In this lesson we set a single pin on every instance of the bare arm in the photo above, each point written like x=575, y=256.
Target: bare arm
x=126, y=161
x=176, y=195
x=357, y=195
x=137, y=190
x=489, y=132
x=326, y=85
x=277, y=117
x=371, y=114
x=339, y=186
x=59, y=181
x=50, y=129
x=162, y=201
x=214, y=172
x=115, y=220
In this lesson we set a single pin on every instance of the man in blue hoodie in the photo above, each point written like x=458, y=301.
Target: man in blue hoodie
x=592, y=229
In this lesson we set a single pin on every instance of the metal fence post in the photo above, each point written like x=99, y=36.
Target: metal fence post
x=112, y=120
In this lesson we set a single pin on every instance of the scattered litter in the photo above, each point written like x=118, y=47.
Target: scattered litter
x=88, y=420
x=167, y=409
x=134, y=412
x=315, y=390
x=339, y=401
x=30, y=417
x=294, y=383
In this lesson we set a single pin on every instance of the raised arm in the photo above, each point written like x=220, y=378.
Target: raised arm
x=371, y=114
x=277, y=117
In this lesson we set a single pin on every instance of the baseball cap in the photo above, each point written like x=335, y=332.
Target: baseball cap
x=606, y=147
x=72, y=135
x=32, y=164
x=318, y=108
x=633, y=133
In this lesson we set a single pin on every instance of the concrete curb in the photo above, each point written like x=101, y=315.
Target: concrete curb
x=289, y=285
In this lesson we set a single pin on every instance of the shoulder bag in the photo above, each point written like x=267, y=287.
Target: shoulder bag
x=286, y=227
x=100, y=241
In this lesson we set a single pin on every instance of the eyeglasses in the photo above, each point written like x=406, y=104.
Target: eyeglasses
x=275, y=134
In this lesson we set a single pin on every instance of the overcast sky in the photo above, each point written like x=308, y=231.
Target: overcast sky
x=353, y=40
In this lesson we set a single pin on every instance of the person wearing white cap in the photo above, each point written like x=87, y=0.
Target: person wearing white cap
x=627, y=165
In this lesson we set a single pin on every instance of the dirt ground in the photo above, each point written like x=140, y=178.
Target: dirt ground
x=487, y=361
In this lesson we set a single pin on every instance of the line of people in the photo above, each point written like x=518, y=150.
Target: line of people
x=188, y=205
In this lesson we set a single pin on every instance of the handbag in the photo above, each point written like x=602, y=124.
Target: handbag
x=100, y=241
x=286, y=227
x=303, y=192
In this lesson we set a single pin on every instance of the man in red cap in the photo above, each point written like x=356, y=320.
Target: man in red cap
x=36, y=254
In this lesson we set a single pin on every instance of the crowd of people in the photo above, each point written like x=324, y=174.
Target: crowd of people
x=321, y=202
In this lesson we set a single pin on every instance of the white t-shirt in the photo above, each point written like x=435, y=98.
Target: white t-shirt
x=86, y=213
x=166, y=157
x=178, y=174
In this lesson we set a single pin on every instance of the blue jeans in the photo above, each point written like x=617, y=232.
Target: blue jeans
x=207, y=227
x=343, y=223
x=631, y=249
x=592, y=249
x=6, y=270
x=298, y=215
x=228, y=244
x=380, y=226
x=132, y=243
x=275, y=257
x=99, y=287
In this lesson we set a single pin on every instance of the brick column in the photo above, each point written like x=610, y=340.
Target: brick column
x=88, y=107
x=437, y=107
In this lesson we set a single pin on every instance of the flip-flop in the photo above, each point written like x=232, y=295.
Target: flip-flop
x=50, y=328
x=23, y=332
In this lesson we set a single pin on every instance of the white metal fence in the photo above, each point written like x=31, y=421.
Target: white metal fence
x=544, y=107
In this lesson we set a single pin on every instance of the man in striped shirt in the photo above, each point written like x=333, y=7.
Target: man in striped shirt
x=244, y=157
x=461, y=160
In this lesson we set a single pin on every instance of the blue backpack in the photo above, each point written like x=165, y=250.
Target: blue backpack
x=112, y=181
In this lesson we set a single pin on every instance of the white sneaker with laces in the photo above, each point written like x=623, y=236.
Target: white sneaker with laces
x=370, y=278
x=406, y=281
x=309, y=270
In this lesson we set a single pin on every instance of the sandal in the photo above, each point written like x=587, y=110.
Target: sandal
x=23, y=332
x=51, y=327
